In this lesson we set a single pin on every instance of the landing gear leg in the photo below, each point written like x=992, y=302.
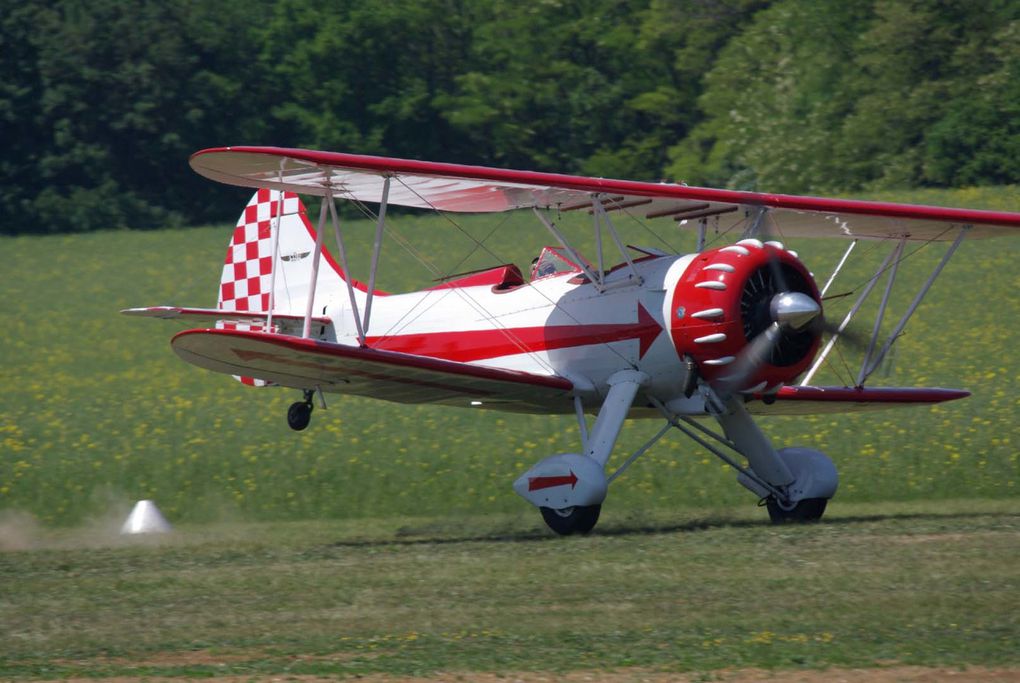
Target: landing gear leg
x=800, y=481
x=300, y=414
x=569, y=488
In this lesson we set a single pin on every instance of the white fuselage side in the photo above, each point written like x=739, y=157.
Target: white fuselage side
x=550, y=326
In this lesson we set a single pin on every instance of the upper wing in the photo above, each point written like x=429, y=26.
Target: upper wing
x=386, y=375
x=455, y=187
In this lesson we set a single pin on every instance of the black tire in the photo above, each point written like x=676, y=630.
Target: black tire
x=299, y=415
x=579, y=519
x=807, y=510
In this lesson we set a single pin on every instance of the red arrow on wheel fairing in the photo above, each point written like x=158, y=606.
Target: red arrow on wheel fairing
x=539, y=483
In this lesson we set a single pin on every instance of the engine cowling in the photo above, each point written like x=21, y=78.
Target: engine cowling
x=723, y=301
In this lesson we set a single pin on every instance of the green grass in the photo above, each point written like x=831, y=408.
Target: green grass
x=875, y=585
x=97, y=411
x=421, y=559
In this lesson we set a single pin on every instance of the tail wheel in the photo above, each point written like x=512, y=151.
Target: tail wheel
x=579, y=519
x=299, y=415
x=807, y=510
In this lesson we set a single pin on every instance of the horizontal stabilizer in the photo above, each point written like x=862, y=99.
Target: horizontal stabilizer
x=808, y=400
x=179, y=313
x=284, y=323
x=387, y=375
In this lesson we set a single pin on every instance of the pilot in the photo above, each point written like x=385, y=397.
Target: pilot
x=543, y=268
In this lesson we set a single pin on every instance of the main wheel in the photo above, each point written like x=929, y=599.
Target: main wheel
x=806, y=510
x=299, y=415
x=579, y=519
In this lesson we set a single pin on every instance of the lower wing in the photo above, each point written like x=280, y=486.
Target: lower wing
x=808, y=400
x=407, y=378
x=387, y=375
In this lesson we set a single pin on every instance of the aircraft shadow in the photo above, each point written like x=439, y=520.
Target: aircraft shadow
x=411, y=537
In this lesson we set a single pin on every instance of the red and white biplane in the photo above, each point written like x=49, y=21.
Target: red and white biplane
x=721, y=333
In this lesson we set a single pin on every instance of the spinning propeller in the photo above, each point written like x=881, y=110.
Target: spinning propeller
x=782, y=321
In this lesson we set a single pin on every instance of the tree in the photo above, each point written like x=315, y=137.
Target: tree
x=772, y=100
x=977, y=140
x=114, y=99
x=830, y=96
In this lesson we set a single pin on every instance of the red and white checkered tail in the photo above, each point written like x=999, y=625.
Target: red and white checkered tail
x=248, y=282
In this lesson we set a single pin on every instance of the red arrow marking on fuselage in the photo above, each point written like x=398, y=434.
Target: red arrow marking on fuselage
x=539, y=483
x=472, y=345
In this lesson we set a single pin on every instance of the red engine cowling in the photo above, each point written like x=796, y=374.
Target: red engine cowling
x=722, y=302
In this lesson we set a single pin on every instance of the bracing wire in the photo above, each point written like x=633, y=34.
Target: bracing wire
x=555, y=304
x=436, y=272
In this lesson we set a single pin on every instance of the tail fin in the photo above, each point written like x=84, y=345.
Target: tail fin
x=247, y=279
x=247, y=270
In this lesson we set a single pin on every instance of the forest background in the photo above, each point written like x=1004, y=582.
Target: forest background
x=102, y=102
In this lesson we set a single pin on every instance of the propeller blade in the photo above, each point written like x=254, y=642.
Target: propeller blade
x=850, y=336
x=750, y=358
x=789, y=311
x=767, y=236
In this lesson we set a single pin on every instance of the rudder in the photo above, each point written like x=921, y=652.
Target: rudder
x=247, y=282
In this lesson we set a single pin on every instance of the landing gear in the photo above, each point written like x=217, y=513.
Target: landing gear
x=803, y=511
x=300, y=414
x=569, y=488
x=579, y=519
x=806, y=476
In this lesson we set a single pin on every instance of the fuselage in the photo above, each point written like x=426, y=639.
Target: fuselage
x=555, y=325
x=673, y=318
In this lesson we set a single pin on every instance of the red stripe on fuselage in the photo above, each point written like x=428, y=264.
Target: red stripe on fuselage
x=472, y=345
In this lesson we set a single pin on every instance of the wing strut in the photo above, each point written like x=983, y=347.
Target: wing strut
x=839, y=267
x=597, y=281
x=343, y=261
x=306, y=329
x=376, y=247
x=846, y=320
x=600, y=210
x=328, y=204
x=599, y=218
x=897, y=256
x=872, y=360
x=916, y=302
x=754, y=228
x=276, y=253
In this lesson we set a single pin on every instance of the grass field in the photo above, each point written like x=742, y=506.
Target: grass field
x=97, y=411
x=420, y=559
x=888, y=585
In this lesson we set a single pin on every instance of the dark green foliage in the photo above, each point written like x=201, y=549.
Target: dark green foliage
x=105, y=101
x=827, y=96
x=102, y=102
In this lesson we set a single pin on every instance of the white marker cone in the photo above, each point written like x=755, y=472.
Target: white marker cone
x=145, y=518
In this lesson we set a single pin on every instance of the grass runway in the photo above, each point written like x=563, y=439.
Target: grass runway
x=422, y=559
x=695, y=592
